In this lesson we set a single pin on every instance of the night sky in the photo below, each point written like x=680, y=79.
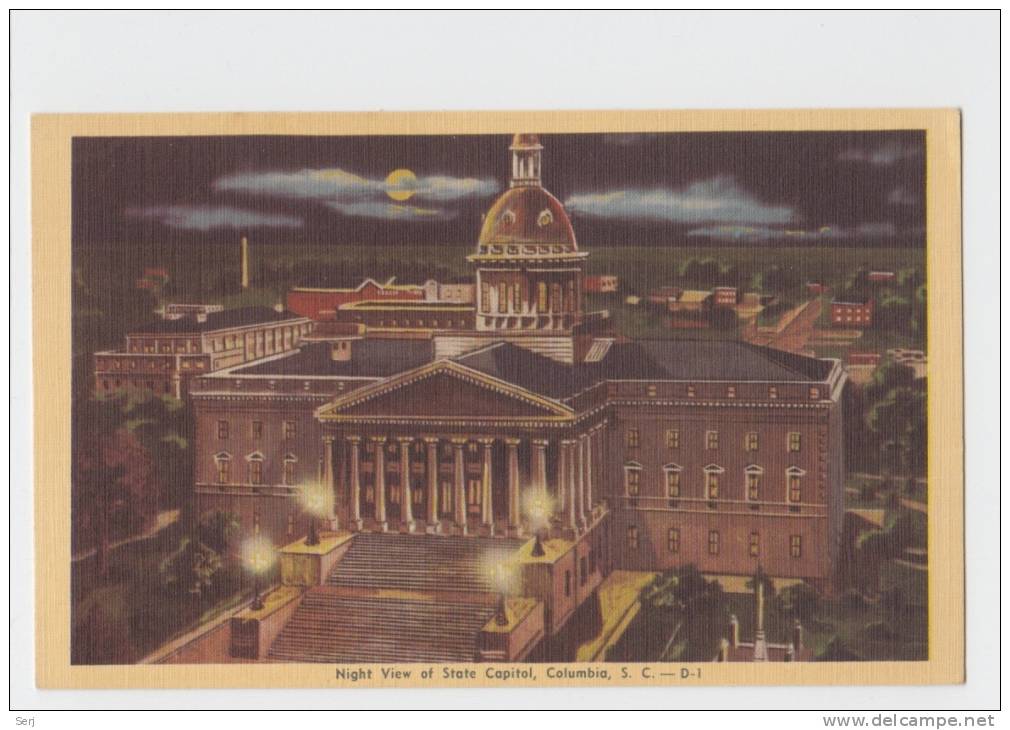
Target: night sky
x=816, y=188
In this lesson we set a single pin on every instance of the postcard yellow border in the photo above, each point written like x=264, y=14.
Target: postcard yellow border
x=51, y=272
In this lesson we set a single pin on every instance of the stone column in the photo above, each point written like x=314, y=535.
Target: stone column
x=512, y=450
x=406, y=494
x=540, y=464
x=329, y=480
x=590, y=447
x=487, y=505
x=459, y=484
x=380, y=484
x=568, y=482
x=434, y=524
x=580, y=481
x=354, y=442
x=562, y=484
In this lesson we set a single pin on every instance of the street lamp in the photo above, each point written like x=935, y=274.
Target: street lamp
x=539, y=507
x=258, y=556
x=316, y=500
x=501, y=573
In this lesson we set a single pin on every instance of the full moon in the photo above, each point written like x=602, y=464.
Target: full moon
x=401, y=184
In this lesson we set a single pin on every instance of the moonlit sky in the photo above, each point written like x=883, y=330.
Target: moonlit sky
x=816, y=188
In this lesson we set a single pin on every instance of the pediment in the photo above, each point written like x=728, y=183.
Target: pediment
x=442, y=390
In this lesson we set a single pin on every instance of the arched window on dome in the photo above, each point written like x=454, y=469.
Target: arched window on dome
x=545, y=218
x=508, y=217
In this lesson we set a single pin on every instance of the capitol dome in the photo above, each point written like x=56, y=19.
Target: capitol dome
x=528, y=214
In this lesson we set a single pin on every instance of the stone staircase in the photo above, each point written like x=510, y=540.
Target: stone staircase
x=329, y=627
x=419, y=562
x=353, y=618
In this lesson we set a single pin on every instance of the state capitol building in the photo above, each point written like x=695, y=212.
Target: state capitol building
x=536, y=431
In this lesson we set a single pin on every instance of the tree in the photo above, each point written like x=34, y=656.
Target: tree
x=191, y=569
x=114, y=489
x=800, y=602
x=700, y=603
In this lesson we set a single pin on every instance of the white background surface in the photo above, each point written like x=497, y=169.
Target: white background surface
x=176, y=61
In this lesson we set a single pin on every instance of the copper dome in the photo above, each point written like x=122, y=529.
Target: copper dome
x=527, y=214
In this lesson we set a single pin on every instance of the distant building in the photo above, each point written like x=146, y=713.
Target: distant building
x=321, y=303
x=880, y=276
x=178, y=311
x=725, y=296
x=163, y=356
x=863, y=358
x=454, y=291
x=852, y=314
x=690, y=300
x=600, y=284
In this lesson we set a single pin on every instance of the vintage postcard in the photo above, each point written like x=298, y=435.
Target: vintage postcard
x=498, y=399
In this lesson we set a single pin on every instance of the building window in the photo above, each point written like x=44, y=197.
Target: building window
x=291, y=524
x=290, y=469
x=713, y=542
x=672, y=482
x=773, y=392
x=731, y=391
x=223, y=469
x=795, y=546
x=485, y=297
x=651, y=391
x=417, y=495
x=502, y=297
x=751, y=441
x=754, y=546
x=815, y=393
x=711, y=440
x=793, y=442
x=257, y=429
x=256, y=470
x=673, y=539
x=795, y=493
x=633, y=538
x=568, y=583
x=753, y=478
x=690, y=391
x=632, y=479
x=712, y=484
x=290, y=430
x=222, y=430
x=631, y=438
x=583, y=570
x=256, y=523
x=541, y=297
x=672, y=438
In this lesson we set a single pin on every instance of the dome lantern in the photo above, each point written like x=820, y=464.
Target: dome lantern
x=525, y=150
